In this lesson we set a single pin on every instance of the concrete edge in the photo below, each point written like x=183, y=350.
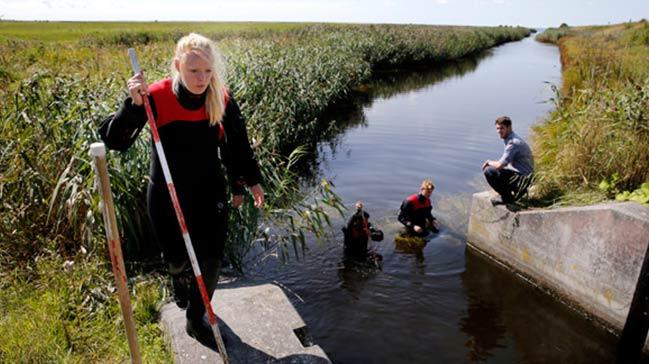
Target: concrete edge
x=591, y=267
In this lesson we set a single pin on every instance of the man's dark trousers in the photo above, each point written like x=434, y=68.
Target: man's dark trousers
x=503, y=181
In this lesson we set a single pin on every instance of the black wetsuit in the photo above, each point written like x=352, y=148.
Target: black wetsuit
x=192, y=148
x=357, y=234
x=417, y=210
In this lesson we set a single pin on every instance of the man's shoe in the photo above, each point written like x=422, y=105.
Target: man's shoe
x=497, y=200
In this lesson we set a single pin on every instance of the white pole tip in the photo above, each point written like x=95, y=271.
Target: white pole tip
x=97, y=150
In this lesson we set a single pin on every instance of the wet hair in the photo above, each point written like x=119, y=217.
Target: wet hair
x=205, y=48
x=427, y=184
x=358, y=205
x=504, y=120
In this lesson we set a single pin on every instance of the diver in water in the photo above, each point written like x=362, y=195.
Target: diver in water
x=357, y=234
x=416, y=211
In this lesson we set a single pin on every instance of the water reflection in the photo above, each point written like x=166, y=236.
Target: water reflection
x=348, y=113
x=354, y=272
x=501, y=310
x=389, y=83
x=483, y=321
x=483, y=324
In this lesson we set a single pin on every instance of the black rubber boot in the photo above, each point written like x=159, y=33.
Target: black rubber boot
x=201, y=330
x=180, y=285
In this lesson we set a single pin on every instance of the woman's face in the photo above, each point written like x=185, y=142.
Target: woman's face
x=195, y=72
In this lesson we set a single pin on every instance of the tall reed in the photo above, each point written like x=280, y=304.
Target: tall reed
x=600, y=126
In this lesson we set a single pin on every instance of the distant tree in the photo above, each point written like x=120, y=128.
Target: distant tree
x=563, y=25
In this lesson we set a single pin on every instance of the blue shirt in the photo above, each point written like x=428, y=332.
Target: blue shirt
x=517, y=155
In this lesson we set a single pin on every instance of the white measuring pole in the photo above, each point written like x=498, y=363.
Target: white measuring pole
x=98, y=153
x=179, y=215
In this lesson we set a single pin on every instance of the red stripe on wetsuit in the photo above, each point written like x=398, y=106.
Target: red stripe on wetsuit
x=169, y=109
x=417, y=205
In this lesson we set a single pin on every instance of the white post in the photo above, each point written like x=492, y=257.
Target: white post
x=98, y=153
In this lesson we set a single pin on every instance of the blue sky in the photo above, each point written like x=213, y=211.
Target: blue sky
x=535, y=13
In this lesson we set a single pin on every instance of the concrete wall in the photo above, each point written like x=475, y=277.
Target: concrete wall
x=590, y=255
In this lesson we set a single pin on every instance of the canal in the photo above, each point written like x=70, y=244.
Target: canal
x=444, y=304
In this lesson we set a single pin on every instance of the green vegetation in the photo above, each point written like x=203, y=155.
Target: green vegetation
x=599, y=133
x=409, y=242
x=57, y=88
x=610, y=186
x=552, y=35
x=65, y=312
x=640, y=195
x=76, y=31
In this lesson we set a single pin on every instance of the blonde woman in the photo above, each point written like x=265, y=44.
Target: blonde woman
x=198, y=120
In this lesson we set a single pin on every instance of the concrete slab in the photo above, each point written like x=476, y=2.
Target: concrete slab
x=590, y=256
x=257, y=323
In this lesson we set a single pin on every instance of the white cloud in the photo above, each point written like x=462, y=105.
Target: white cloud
x=442, y=2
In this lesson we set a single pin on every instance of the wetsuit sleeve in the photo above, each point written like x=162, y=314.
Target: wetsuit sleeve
x=405, y=214
x=241, y=163
x=120, y=130
x=367, y=218
x=429, y=213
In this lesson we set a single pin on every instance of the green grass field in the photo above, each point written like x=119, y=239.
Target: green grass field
x=46, y=31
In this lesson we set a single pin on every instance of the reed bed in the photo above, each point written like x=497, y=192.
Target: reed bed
x=598, y=135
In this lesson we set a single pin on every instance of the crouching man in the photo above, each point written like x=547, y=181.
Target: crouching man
x=511, y=175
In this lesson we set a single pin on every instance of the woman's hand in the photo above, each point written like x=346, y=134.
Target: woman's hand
x=137, y=88
x=237, y=200
x=258, y=195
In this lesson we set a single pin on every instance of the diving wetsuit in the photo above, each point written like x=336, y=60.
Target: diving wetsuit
x=417, y=210
x=192, y=148
x=357, y=233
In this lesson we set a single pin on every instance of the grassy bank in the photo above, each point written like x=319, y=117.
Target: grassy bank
x=595, y=145
x=66, y=312
x=56, y=89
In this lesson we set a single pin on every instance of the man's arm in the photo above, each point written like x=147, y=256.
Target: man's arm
x=504, y=160
x=495, y=164
x=404, y=214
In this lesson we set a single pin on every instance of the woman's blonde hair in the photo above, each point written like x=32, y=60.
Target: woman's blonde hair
x=204, y=47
